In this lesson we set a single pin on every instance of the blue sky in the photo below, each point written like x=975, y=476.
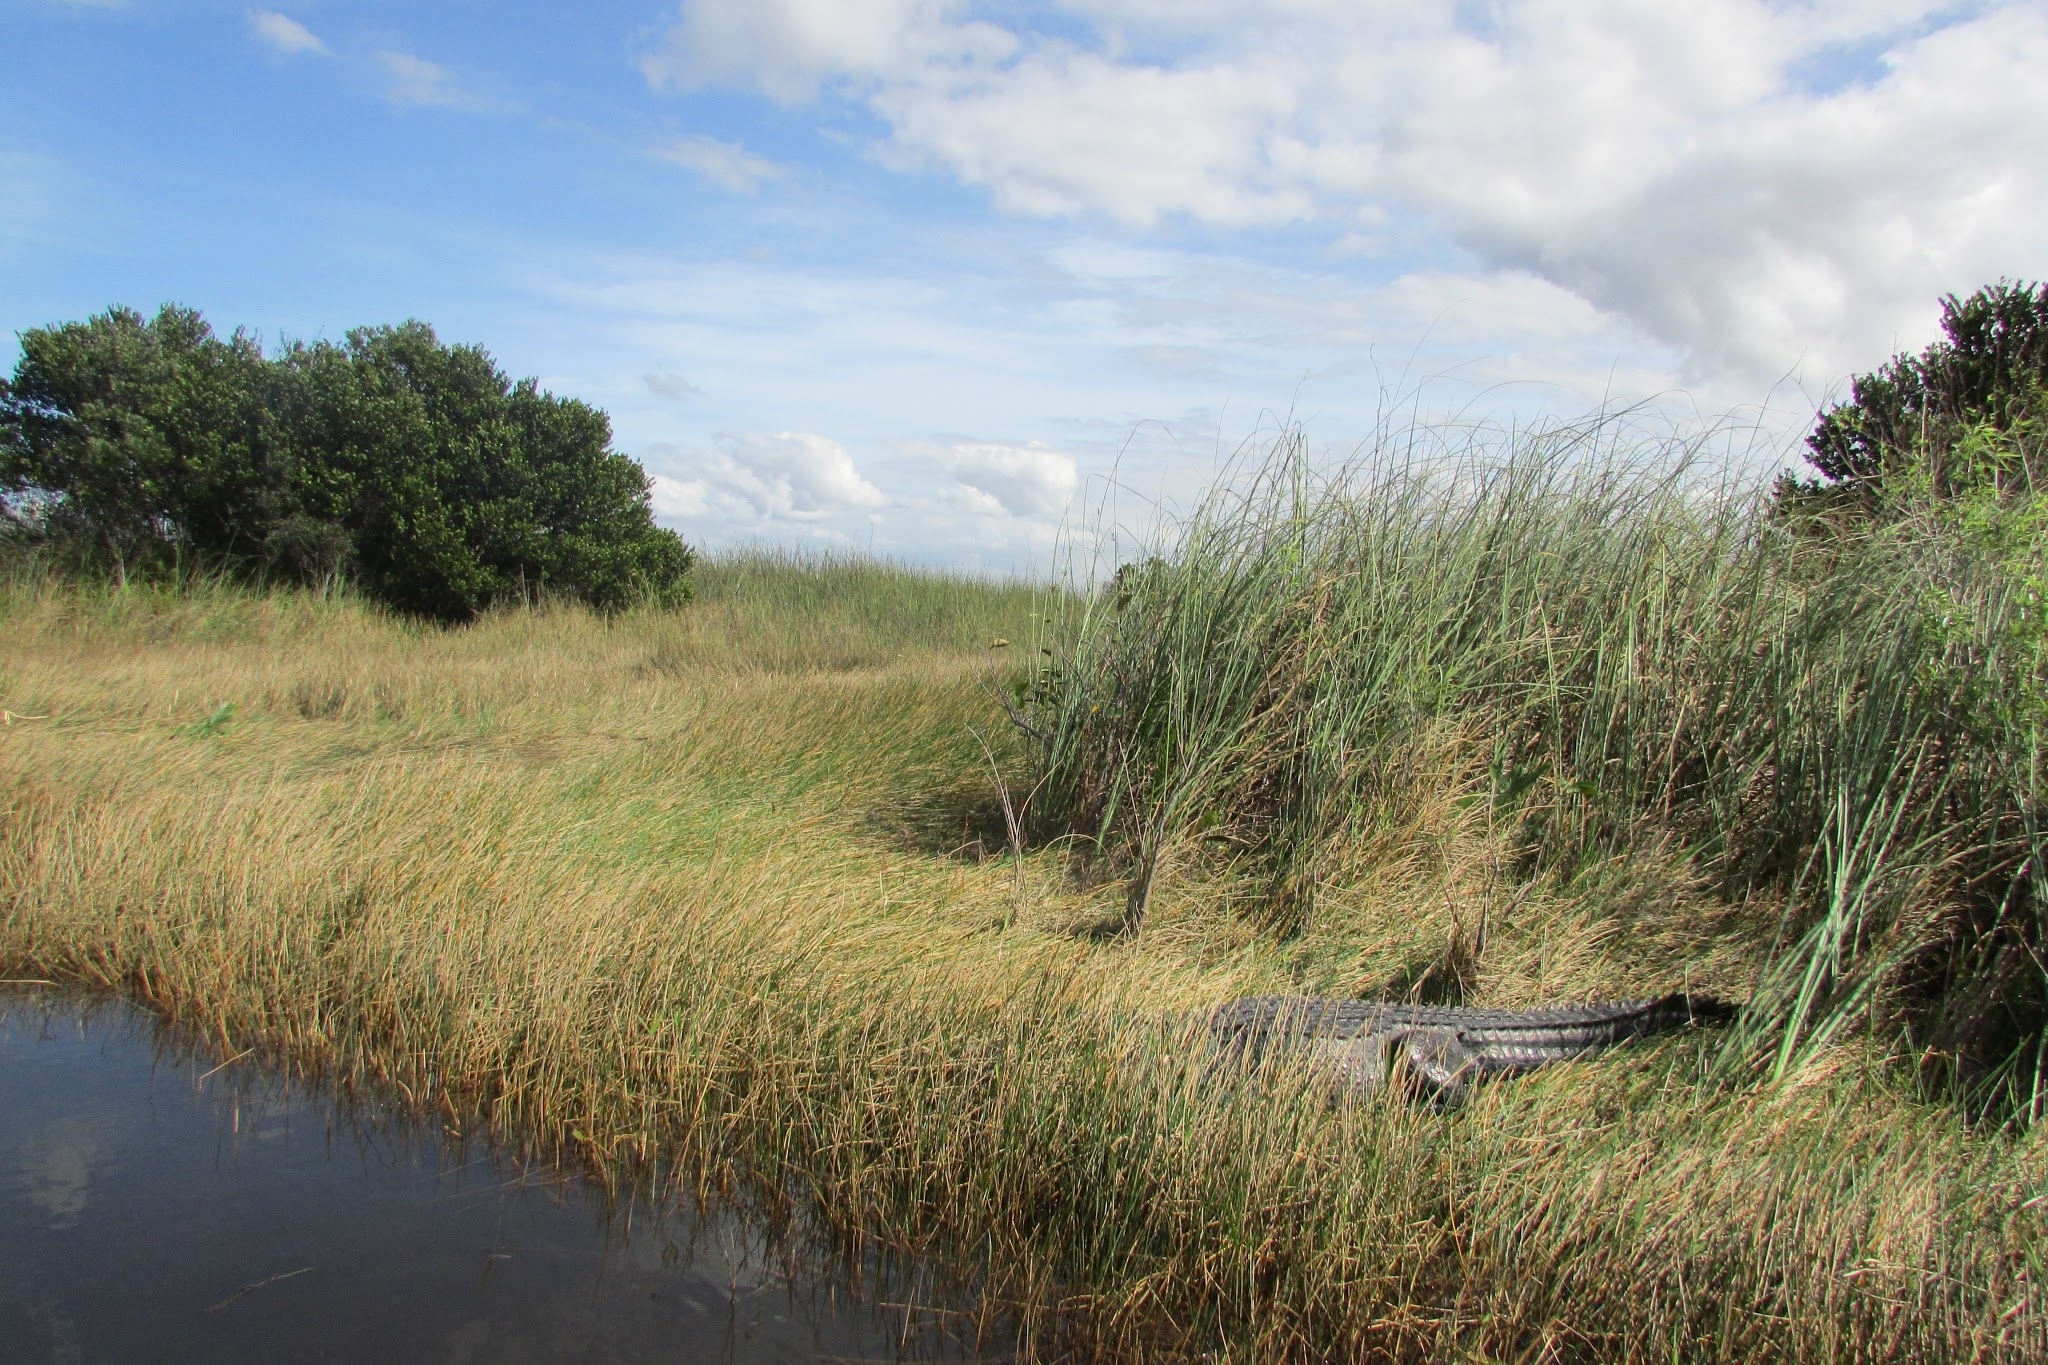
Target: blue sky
x=912, y=274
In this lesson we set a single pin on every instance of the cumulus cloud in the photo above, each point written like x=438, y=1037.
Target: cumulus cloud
x=415, y=82
x=789, y=476
x=1751, y=182
x=676, y=498
x=1023, y=481
x=725, y=164
x=284, y=35
x=1067, y=133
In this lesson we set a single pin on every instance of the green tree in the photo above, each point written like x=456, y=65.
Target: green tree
x=1929, y=419
x=417, y=469
x=129, y=443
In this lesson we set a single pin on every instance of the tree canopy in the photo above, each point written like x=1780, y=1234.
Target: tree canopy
x=414, y=469
x=1966, y=409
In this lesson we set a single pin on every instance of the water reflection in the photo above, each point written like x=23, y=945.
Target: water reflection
x=163, y=1207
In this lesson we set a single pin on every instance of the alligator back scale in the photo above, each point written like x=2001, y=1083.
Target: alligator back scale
x=1440, y=1050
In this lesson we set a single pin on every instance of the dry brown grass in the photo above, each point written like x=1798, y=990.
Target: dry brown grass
x=725, y=890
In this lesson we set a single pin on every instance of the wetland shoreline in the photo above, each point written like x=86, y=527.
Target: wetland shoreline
x=724, y=890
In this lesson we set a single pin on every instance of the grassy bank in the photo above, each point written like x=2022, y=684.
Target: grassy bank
x=728, y=889
x=1802, y=765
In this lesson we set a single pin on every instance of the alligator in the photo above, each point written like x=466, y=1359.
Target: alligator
x=1436, y=1051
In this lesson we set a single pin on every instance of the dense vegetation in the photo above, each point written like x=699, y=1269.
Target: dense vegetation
x=768, y=896
x=414, y=470
x=723, y=894
x=1967, y=417
x=1647, y=683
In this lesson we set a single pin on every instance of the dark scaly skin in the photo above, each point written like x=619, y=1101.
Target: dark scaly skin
x=1445, y=1048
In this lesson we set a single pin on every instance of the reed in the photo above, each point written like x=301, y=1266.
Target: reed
x=728, y=889
x=1750, y=751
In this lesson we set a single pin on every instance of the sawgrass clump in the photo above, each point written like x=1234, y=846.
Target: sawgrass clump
x=728, y=892
x=1748, y=750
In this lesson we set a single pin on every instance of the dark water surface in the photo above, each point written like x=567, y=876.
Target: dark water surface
x=156, y=1205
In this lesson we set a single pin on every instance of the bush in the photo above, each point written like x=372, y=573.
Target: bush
x=417, y=470
x=1933, y=417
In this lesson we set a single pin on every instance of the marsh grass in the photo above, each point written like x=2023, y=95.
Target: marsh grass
x=675, y=890
x=1737, y=748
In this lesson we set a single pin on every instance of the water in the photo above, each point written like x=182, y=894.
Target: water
x=157, y=1205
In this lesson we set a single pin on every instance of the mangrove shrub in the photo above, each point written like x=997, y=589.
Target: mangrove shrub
x=1966, y=412
x=416, y=470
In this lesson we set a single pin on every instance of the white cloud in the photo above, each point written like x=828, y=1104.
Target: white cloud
x=788, y=48
x=1754, y=183
x=676, y=498
x=1089, y=348
x=1740, y=216
x=284, y=35
x=790, y=476
x=1071, y=132
x=1023, y=481
x=726, y=164
x=1502, y=306
x=1066, y=352
x=802, y=473
x=416, y=82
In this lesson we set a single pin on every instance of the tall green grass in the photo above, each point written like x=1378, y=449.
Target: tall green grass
x=1626, y=670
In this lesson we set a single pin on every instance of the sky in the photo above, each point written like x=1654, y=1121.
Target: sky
x=923, y=277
